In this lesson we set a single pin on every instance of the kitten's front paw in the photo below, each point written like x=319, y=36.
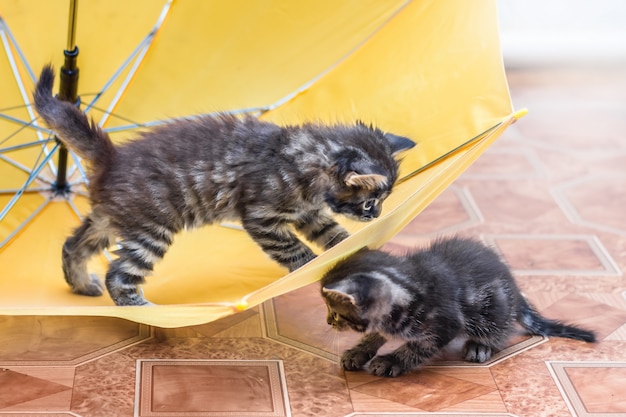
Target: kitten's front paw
x=354, y=359
x=475, y=352
x=301, y=261
x=387, y=366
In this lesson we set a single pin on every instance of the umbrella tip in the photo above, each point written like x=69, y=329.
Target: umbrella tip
x=241, y=305
x=519, y=114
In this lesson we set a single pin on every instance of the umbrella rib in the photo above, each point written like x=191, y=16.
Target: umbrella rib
x=22, y=167
x=263, y=109
x=30, y=190
x=35, y=172
x=114, y=77
x=24, y=123
x=140, y=52
x=137, y=55
x=22, y=127
x=78, y=166
x=27, y=145
x=20, y=84
x=25, y=222
x=70, y=202
x=5, y=28
x=248, y=110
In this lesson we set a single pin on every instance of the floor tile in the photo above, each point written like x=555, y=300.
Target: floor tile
x=62, y=340
x=211, y=388
x=592, y=388
x=453, y=210
x=596, y=201
x=587, y=313
x=554, y=254
x=286, y=324
x=436, y=391
x=510, y=163
x=18, y=388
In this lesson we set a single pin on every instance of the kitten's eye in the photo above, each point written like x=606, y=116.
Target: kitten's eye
x=368, y=204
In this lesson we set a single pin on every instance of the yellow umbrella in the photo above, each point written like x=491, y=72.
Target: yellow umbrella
x=428, y=70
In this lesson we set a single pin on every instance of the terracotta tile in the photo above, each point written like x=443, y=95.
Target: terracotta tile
x=316, y=386
x=527, y=388
x=64, y=340
x=222, y=325
x=212, y=388
x=478, y=375
x=518, y=202
x=577, y=134
x=18, y=388
x=619, y=334
x=452, y=210
x=305, y=327
x=604, y=396
x=250, y=327
x=598, y=200
x=554, y=254
x=509, y=163
x=371, y=403
x=38, y=414
x=413, y=414
x=59, y=374
x=58, y=401
x=488, y=403
x=105, y=386
x=436, y=391
x=575, y=309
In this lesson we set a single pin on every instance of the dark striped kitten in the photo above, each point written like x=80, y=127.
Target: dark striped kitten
x=194, y=172
x=457, y=287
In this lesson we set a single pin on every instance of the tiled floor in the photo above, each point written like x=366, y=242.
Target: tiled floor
x=549, y=195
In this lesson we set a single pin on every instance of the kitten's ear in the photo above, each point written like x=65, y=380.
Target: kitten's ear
x=366, y=181
x=339, y=296
x=399, y=143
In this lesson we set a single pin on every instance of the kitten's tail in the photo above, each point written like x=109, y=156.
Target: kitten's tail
x=532, y=321
x=70, y=124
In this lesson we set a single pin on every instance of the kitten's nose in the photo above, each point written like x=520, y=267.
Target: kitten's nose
x=370, y=216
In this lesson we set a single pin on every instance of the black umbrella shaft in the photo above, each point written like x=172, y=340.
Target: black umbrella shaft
x=71, y=26
x=68, y=91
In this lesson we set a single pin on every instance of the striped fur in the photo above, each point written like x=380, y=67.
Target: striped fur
x=276, y=180
x=456, y=288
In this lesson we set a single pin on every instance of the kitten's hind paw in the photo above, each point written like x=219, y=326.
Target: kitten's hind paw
x=387, y=366
x=128, y=296
x=476, y=352
x=354, y=359
x=93, y=287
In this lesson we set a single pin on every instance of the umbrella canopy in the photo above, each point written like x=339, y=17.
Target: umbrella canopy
x=428, y=70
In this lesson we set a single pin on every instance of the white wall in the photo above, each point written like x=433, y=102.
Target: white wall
x=549, y=32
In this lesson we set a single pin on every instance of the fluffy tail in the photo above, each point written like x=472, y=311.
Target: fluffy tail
x=532, y=321
x=70, y=124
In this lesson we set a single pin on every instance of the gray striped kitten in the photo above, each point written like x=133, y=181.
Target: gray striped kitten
x=193, y=172
x=457, y=287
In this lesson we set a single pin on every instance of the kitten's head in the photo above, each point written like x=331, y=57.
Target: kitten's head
x=358, y=292
x=343, y=303
x=365, y=171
